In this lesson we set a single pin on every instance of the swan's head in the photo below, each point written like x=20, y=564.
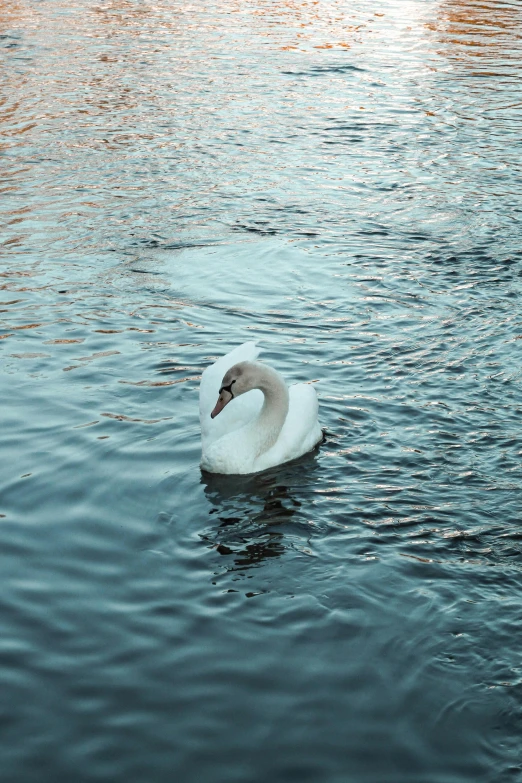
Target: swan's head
x=238, y=380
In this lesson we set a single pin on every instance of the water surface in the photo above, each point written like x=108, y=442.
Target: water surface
x=340, y=182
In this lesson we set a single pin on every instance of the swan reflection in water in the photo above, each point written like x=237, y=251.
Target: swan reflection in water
x=259, y=516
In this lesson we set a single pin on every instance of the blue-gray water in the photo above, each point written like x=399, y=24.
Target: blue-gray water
x=340, y=181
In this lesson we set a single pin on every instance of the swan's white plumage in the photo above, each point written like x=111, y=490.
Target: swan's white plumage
x=245, y=408
x=227, y=440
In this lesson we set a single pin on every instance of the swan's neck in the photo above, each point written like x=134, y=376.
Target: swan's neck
x=272, y=416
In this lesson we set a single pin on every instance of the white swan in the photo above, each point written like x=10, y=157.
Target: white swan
x=270, y=425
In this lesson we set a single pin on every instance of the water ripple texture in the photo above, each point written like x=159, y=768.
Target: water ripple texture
x=339, y=181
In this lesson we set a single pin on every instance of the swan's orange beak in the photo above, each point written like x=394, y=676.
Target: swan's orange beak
x=220, y=404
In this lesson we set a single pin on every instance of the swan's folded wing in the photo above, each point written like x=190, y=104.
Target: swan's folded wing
x=239, y=411
x=301, y=430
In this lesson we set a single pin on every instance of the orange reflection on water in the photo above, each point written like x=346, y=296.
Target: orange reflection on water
x=14, y=13
x=479, y=28
x=299, y=25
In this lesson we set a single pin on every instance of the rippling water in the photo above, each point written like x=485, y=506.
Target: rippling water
x=340, y=181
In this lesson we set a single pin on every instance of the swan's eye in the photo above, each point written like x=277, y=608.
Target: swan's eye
x=228, y=388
